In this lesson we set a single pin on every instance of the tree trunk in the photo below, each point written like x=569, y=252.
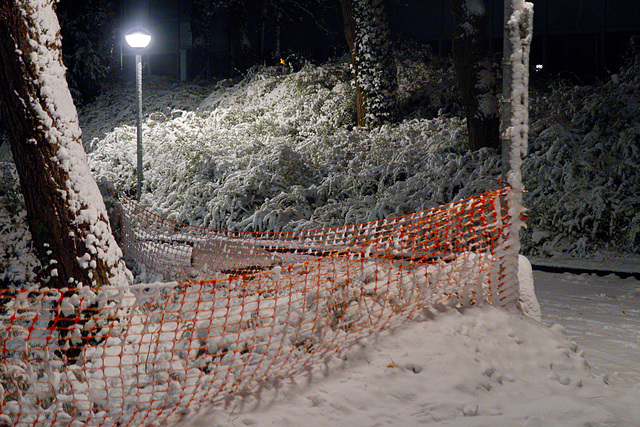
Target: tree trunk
x=349, y=24
x=65, y=211
x=367, y=34
x=475, y=77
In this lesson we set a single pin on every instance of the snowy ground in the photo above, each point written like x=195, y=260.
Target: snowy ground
x=484, y=367
x=601, y=314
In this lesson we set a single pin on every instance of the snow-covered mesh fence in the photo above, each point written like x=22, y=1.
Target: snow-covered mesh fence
x=443, y=234
x=247, y=310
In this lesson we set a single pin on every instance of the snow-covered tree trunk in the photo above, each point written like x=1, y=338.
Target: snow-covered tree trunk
x=375, y=73
x=349, y=25
x=65, y=211
x=476, y=78
x=515, y=118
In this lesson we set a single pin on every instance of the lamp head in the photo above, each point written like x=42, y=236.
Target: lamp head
x=138, y=39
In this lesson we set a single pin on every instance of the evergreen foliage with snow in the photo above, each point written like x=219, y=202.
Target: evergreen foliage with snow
x=376, y=69
x=278, y=151
x=582, y=168
x=18, y=261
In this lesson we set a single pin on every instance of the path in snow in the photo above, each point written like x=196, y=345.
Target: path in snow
x=601, y=314
x=482, y=367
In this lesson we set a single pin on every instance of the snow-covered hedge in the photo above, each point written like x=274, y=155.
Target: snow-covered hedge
x=18, y=263
x=582, y=169
x=278, y=150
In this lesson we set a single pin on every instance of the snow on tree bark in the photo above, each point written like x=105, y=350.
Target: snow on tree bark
x=65, y=211
x=374, y=67
x=474, y=72
x=515, y=118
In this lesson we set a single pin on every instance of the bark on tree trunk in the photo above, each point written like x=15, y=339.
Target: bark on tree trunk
x=349, y=25
x=65, y=211
x=474, y=74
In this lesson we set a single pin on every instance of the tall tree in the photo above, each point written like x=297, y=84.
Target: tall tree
x=65, y=211
x=475, y=74
x=367, y=34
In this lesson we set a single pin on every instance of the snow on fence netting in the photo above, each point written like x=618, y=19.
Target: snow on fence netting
x=245, y=310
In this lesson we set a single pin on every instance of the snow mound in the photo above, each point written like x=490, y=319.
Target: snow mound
x=480, y=367
x=528, y=300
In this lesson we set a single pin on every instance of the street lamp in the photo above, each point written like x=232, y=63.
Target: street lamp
x=138, y=40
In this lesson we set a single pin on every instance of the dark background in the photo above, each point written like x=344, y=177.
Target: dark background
x=586, y=37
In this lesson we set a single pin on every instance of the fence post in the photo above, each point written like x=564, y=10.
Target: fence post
x=518, y=32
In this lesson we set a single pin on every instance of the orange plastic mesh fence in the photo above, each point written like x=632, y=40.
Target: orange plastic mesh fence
x=272, y=305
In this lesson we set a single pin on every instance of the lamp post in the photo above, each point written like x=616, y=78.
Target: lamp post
x=138, y=40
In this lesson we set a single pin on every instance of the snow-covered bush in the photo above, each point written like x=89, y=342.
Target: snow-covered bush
x=161, y=97
x=582, y=167
x=18, y=263
x=279, y=151
x=427, y=84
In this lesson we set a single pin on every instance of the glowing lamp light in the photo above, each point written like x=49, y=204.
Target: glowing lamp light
x=138, y=39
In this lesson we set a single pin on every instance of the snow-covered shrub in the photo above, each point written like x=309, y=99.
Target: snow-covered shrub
x=117, y=105
x=582, y=167
x=18, y=262
x=278, y=151
x=427, y=84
